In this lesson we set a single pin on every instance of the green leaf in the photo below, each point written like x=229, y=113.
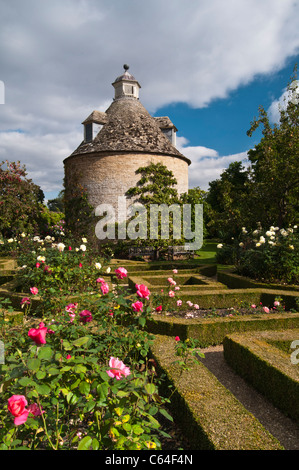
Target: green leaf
x=165, y=414
x=79, y=369
x=24, y=381
x=33, y=364
x=85, y=443
x=150, y=388
x=84, y=388
x=45, y=353
x=81, y=341
x=137, y=429
x=53, y=371
x=43, y=389
x=41, y=374
x=127, y=427
x=66, y=345
x=95, y=444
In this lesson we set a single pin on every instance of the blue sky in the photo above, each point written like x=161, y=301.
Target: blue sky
x=207, y=64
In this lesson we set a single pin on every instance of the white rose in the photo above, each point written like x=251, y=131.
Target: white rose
x=220, y=245
x=108, y=270
x=98, y=265
x=82, y=247
x=84, y=240
x=61, y=246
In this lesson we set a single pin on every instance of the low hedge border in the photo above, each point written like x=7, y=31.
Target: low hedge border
x=268, y=368
x=212, y=331
x=212, y=418
x=235, y=281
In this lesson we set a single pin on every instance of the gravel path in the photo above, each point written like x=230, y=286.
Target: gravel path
x=279, y=425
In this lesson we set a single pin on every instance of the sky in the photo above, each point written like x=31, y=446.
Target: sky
x=207, y=64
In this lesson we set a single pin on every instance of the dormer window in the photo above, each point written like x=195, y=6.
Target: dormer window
x=93, y=124
x=168, y=128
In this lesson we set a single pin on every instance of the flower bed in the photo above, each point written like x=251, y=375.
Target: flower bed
x=74, y=377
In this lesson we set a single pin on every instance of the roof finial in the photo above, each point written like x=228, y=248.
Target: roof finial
x=126, y=67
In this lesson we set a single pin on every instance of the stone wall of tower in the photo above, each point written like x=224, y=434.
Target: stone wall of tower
x=106, y=176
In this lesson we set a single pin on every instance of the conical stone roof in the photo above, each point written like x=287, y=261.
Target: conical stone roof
x=128, y=127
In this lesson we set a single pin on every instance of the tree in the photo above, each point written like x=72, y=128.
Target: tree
x=198, y=196
x=275, y=164
x=57, y=204
x=19, y=200
x=228, y=200
x=156, y=186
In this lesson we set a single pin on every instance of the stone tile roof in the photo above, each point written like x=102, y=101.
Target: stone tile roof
x=129, y=128
x=96, y=116
x=164, y=122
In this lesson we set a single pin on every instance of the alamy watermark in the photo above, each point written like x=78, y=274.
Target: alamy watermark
x=169, y=222
x=1, y=352
x=2, y=92
x=295, y=354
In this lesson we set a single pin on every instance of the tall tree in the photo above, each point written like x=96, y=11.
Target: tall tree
x=275, y=163
x=227, y=197
x=19, y=200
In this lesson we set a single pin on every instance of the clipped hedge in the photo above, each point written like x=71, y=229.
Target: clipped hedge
x=212, y=418
x=267, y=367
x=235, y=281
x=212, y=331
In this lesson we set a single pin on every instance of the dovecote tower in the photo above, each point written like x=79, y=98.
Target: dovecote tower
x=118, y=142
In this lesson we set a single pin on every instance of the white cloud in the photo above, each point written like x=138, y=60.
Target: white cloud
x=281, y=103
x=206, y=163
x=43, y=155
x=58, y=60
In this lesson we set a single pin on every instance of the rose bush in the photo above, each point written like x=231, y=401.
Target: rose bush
x=270, y=255
x=79, y=376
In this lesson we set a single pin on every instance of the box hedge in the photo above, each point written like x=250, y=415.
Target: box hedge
x=269, y=368
x=211, y=417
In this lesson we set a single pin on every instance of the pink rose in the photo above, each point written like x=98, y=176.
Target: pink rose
x=104, y=288
x=253, y=306
x=175, y=271
x=266, y=310
x=17, y=407
x=85, y=316
x=35, y=410
x=142, y=291
x=159, y=308
x=68, y=356
x=179, y=303
x=177, y=338
x=137, y=306
x=71, y=307
x=117, y=369
x=171, y=281
x=34, y=290
x=276, y=303
x=121, y=273
x=38, y=335
x=37, y=265
x=25, y=301
x=196, y=306
x=171, y=293
x=100, y=279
